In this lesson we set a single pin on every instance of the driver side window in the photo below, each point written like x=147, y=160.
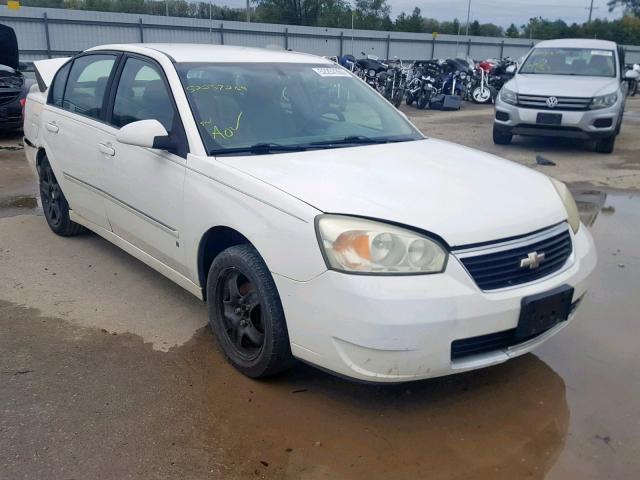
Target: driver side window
x=142, y=95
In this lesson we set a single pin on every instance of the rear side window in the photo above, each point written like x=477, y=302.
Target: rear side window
x=142, y=95
x=57, y=88
x=87, y=85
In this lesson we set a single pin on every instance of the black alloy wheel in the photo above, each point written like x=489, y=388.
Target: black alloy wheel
x=50, y=195
x=239, y=308
x=245, y=313
x=54, y=203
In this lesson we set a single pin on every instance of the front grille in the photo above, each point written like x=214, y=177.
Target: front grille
x=564, y=103
x=502, y=269
x=8, y=96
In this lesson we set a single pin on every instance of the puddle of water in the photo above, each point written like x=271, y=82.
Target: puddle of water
x=597, y=356
x=20, y=205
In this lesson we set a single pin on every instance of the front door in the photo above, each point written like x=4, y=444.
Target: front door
x=144, y=185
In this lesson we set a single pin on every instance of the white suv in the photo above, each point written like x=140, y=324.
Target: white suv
x=315, y=220
x=565, y=88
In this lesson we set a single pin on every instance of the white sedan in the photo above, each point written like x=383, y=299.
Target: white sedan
x=316, y=221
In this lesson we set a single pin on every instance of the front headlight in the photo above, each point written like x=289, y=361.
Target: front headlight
x=603, y=101
x=357, y=245
x=508, y=96
x=573, y=216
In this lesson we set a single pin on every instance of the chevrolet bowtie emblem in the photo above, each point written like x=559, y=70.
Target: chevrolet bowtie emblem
x=533, y=260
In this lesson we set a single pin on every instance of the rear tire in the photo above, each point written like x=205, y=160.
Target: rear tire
x=409, y=100
x=605, y=145
x=54, y=203
x=422, y=102
x=500, y=137
x=245, y=313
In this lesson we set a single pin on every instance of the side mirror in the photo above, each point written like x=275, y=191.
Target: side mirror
x=511, y=69
x=144, y=133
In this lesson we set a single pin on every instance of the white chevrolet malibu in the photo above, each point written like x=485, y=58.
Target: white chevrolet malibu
x=315, y=220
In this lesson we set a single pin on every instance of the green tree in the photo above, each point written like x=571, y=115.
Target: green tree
x=629, y=6
x=512, y=32
x=410, y=23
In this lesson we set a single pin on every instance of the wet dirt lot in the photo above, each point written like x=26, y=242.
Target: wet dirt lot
x=108, y=371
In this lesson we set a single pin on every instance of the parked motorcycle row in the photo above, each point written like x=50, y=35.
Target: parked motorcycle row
x=436, y=84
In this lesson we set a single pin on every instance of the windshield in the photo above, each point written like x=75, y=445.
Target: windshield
x=571, y=61
x=287, y=105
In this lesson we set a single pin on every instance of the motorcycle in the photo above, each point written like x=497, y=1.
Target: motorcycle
x=421, y=86
x=369, y=69
x=489, y=77
x=393, y=82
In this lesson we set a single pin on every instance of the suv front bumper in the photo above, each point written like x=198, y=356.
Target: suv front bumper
x=582, y=124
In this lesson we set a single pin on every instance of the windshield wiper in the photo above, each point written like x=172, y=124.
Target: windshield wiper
x=359, y=140
x=259, y=149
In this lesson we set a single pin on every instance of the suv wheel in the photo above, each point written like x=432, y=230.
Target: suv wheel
x=605, y=145
x=500, y=137
x=54, y=203
x=245, y=313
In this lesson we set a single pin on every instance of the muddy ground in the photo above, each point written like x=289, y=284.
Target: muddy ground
x=108, y=371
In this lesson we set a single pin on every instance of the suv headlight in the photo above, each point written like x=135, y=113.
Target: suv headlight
x=357, y=245
x=603, y=101
x=508, y=96
x=573, y=216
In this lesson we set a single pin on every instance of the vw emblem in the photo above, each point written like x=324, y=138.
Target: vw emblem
x=552, y=102
x=533, y=260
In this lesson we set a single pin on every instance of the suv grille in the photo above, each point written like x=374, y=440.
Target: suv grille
x=564, y=103
x=502, y=269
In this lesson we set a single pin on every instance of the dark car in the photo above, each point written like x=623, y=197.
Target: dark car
x=13, y=84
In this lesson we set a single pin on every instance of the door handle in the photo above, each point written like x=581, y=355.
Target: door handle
x=106, y=149
x=52, y=127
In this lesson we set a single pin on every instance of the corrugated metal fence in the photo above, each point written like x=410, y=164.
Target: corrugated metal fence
x=46, y=33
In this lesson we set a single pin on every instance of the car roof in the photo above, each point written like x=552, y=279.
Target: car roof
x=577, y=43
x=194, y=52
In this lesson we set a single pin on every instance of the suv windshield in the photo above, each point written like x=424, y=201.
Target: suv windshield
x=268, y=107
x=587, y=62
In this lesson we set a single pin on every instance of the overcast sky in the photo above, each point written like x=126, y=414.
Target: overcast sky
x=500, y=12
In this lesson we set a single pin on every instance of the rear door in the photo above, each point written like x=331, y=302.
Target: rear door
x=145, y=185
x=72, y=123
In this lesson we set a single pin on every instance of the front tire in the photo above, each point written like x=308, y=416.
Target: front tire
x=500, y=137
x=54, y=203
x=245, y=313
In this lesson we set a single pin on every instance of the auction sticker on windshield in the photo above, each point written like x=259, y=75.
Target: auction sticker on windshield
x=605, y=53
x=331, y=72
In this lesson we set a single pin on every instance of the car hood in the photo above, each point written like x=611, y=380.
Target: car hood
x=462, y=195
x=563, y=85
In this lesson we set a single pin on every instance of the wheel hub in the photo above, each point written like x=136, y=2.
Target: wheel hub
x=239, y=307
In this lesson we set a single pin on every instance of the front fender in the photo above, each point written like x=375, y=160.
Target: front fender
x=278, y=225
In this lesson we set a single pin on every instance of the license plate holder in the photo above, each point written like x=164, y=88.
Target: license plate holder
x=543, y=311
x=549, y=118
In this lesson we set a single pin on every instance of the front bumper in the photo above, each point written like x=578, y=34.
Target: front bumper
x=394, y=329
x=581, y=124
